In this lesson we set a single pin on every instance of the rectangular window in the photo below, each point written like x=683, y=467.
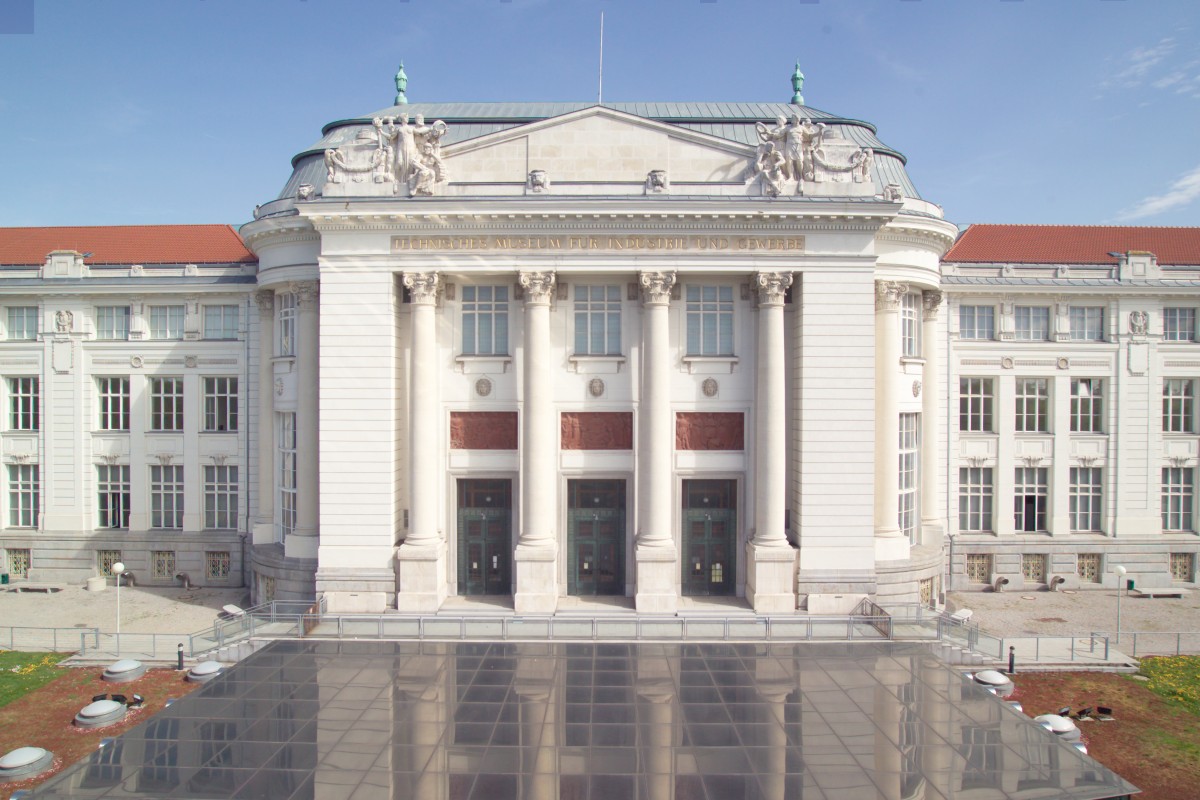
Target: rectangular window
x=113, y=394
x=216, y=564
x=910, y=325
x=220, y=497
x=23, y=486
x=1033, y=405
x=1179, y=324
x=1086, y=494
x=979, y=567
x=1087, y=323
x=1030, y=495
x=220, y=404
x=105, y=559
x=1177, y=499
x=597, y=320
x=1183, y=567
x=1032, y=323
x=975, y=401
x=112, y=486
x=1088, y=566
x=1087, y=405
x=287, y=474
x=166, y=497
x=976, y=322
x=23, y=404
x=162, y=564
x=166, y=322
x=221, y=322
x=166, y=404
x=22, y=322
x=112, y=322
x=1033, y=567
x=19, y=562
x=285, y=322
x=485, y=320
x=910, y=437
x=975, y=499
x=1179, y=406
x=710, y=320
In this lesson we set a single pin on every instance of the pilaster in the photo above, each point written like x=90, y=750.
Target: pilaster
x=933, y=524
x=890, y=545
x=264, y=516
x=303, y=541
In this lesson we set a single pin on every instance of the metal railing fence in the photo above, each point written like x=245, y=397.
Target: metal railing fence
x=57, y=640
x=1154, y=643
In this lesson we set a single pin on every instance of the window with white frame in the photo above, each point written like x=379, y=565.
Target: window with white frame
x=113, y=396
x=485, y=321
x=1179, y=324
x=1033, y=405
x=23, y=404
x=166, y=496
x=1087, y=405
x=23, y=489
x=1030, y=496
x=597, y=320
x=221, y=322
x=112, y=488
x=166, y=404
x=112, y=322
x=1177, y=493
x=910, y=439
x=910, y=325
x=976, y=322
x=709, y=320
x=1087, y=323
x=220, y=405
x=975, y=499
x=287, y=474
x=976, y=398
x=166, y=322
x=1086, y=495
x=1179, y=406
x=22, y=322
x=1032, y=323
x=220, y=497
x=285, y=323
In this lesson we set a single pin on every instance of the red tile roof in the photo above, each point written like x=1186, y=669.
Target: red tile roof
x=1072, y=244
x=128, y=244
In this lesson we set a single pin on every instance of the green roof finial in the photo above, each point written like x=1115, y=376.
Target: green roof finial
x=401, y=85
x=797, y=86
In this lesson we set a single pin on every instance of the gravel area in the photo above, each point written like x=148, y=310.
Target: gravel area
x=1076, y=613
x=143, y=610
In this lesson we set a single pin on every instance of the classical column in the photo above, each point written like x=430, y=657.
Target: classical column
x=656, y=553
x=264, y=520
x=771, y=567
x=304, y=540
x=889, y=543
x=933, y=525
x=536, y=576
x=421, y=558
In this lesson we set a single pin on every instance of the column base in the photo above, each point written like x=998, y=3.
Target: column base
x=536, y=579
x=301, y=546
x=891, y=547
x=933, y=532
x=263, y=532
x=657, y=580
x=421, y=577
x=771, y=578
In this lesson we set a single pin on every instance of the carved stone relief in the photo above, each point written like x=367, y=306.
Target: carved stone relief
x=596, y=430
x=799, y=157
x=710, y=387
x=916, y=388
x=137, y=362
x=64, y=321
x=709, y=431
x=483, y=430
x=539, y=181
x=483, y=387
x=596, y=387
x=656, y=181
x=1138, y=322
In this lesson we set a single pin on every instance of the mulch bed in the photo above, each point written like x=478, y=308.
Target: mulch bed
x=43, y=717
x=1152, y=743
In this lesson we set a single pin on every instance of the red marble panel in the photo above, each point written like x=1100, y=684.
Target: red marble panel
x=483, y=430
x=710, y=431
x=597, y=430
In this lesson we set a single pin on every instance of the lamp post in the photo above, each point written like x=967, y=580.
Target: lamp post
x=119, y=569
x=1120, y=581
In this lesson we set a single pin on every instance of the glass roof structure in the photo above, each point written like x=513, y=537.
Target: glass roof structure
x=588, y=721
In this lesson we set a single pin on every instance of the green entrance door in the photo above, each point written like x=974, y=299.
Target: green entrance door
x=484, y=536
x=709, y=537
x=596, y=537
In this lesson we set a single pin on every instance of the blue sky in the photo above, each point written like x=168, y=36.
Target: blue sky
x=188, y=111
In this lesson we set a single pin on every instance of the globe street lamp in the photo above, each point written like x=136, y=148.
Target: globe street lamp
x=119, y=569
x=1120, y=581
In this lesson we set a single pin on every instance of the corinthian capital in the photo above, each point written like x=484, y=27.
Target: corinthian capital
x=931, y=300
x=422, y=287
x=265, y=298
x=306, y=294
x=772, y=286
x=888, y=294
x=538, y=287
x=656, y=287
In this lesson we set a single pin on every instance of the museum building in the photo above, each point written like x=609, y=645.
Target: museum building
x=549, y=351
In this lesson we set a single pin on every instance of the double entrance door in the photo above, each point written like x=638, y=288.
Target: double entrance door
x=596, y=537
x=485, y=545
x=709, y=537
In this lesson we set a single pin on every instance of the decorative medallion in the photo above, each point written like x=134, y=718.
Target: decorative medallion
x=279, y=386
x=596, y=387
x=1064, y=363
x=483, y=387
x=137, y=362
x=189, y=362
x=1006, y=362
x=710, y=387
x=916, y=388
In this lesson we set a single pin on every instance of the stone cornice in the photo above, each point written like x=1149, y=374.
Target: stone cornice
x=941, y=241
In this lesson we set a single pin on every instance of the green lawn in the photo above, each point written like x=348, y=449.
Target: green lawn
x=1176, y=678
x=21, y=673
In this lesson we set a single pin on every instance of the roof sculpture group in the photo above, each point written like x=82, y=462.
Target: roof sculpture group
x=794, y=152
x=402, y=155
